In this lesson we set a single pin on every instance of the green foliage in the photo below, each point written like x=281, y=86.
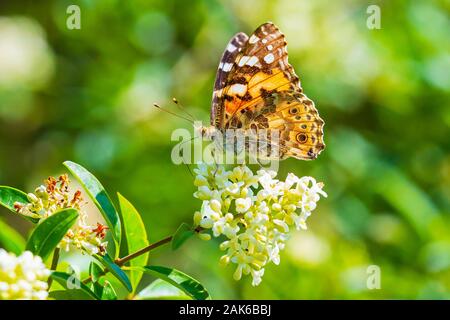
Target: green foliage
x=182, y=281
x=49, y=232
x=75, y=288
x=9, y=196
x=95, y=271
x=109, y=264
x=108, y=292
x=104, y=291
x=136, y=237
x=161, y=290
x=99, y=196
x=10, y=239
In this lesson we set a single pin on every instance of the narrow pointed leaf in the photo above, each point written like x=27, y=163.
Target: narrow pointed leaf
x=108, y=292
x=161, y=290
x=115, y=270
x=71, y=283
x=182, y=281
x=99, y=196
x=95, y=271
x=49, y=232
x=136, y=237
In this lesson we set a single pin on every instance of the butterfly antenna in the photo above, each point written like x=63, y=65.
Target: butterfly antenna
x=172, y=113
x=189, y=169
x=187, y=165
x=182, y=108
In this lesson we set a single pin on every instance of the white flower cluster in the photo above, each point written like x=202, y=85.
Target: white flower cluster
x=253, y=211
x=22, y=277
x=55, y=196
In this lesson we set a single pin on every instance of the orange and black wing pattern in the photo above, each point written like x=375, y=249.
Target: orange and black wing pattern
x=260, y=90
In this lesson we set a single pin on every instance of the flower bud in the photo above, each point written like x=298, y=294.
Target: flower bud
x=224, y=260
x=41, y=192
x=204, y=236
x=32, y=198
x=197, y=218
x=276, y=207
x=242, y=205
x=200, y=181
x=215, y=205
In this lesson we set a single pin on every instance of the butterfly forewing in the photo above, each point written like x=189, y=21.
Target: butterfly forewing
x=233, y=48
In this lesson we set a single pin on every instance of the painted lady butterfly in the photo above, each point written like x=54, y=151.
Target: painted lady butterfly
x=256, y=88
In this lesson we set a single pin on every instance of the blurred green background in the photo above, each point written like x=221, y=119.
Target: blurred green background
x=86, y=95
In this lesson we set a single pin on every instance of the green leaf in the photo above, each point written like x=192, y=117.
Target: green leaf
x=95, y=271
x=108, y=292
x=71, y=283
x=49, y=232
x=136, y=237
x=9, y=195
x=182, y=281
x=74, y=294
x=183, y=233
x=104, y=291
x=99, y=196
x=161, y=290
x=115, y=270
x=10, y=239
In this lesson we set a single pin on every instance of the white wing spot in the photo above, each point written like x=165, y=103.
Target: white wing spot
x=243, y=60
x=239, y=89
x=227, y=66
x=269, y=47
x=252, y=61
x=231, y=47
x=269, y=58
x=221, y=65
x=253, y=39
x=264, y=40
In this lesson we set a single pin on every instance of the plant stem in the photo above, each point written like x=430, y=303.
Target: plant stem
x=54, y=265
x=121, y=261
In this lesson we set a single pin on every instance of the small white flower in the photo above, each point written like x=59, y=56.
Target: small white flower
x=291, y=179
x=234, y=189
x=45, y=201
x=215, y=205
x=264, y=210
x=242, y=205
x=257, y=277
x=200, y=181
x=22, y=277
x=204, y=193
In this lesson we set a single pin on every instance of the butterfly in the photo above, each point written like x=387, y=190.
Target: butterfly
x=256, y=88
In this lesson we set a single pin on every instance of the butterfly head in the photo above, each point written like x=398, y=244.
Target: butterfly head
x=206, y=132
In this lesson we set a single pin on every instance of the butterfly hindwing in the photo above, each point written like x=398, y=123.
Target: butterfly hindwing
x=294, y=117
